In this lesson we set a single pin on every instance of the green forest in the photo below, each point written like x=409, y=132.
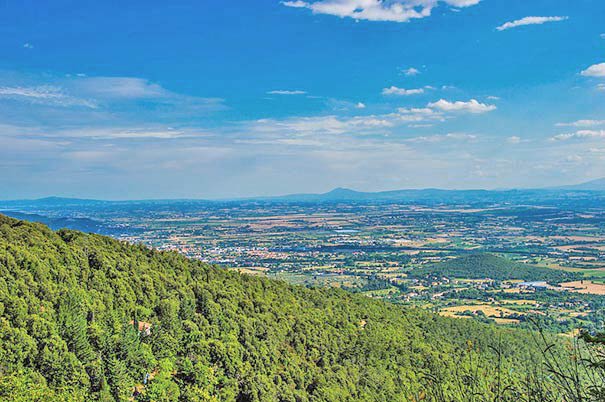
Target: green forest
x=479, y=266
x=85, y=317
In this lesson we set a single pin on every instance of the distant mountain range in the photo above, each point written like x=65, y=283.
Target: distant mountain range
x=592, y=185
x=438, y=195
x=345, y=194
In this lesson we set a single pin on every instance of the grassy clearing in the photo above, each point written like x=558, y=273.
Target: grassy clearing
x=489, y=310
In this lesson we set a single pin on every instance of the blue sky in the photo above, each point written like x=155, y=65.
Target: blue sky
x=215, y=99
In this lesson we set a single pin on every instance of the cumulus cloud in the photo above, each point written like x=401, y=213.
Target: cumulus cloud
x=472, y=106
x=317, y=128
x=360, y=105
x=410, y=72
x=596, y=70
x=377, y=10
x=286, y=92
x=393, y=90
x=530, y=21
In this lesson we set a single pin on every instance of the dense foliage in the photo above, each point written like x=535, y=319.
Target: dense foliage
x=480, y=266
x=86, y=317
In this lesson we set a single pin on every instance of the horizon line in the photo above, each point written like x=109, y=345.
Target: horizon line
x=277, y=196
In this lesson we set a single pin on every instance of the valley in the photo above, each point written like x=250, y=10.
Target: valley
x=497, y=257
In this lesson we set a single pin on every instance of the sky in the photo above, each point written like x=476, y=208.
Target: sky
x=232, y=98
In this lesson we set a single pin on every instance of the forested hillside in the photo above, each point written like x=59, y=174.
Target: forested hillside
x=85, y=317
x=480, y=266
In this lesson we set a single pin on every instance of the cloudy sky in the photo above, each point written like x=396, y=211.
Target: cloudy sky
x=212, y=99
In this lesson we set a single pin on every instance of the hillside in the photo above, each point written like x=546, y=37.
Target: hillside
x=480, y=266
x=85, y=317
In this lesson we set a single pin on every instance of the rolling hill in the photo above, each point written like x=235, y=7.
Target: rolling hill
x=82, y=224
x=480, y=266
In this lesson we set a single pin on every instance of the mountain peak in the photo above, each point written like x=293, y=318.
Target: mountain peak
x=341, y=191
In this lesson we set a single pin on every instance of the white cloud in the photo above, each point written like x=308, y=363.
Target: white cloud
x=462, y=3
x=472, y=106
x=410, y=72
x=120, y=133
x=360, y=105
x=109, y=90
x=513, y=139
x=460, y=136
x=582, y=123
x=318, y=127
x=601, y=87
x=529, y=21
x=581, y=134
x=321, y=128
x=596, y=70
x=101, y=94
x=416, y=115
x=117, y=133
x=118, y=87
x=393, y=90
x=40, y=92
x=377, y=10
x=295, y=4
x=28, y=45
x=286, y=92
x=441, y=138
x=321, y=124
x=493, y=97
x=44, y=94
